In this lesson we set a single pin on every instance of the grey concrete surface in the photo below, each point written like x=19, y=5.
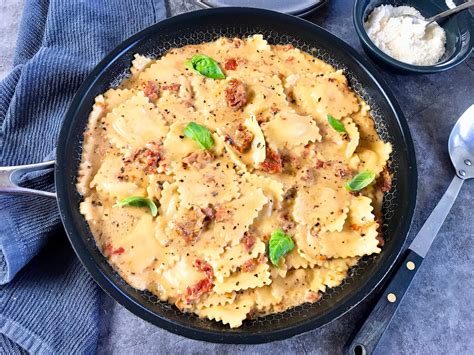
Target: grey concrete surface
x=436, y=316
x=10, y=15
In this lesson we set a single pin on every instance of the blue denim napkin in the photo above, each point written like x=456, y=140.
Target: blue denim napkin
x=48, y=303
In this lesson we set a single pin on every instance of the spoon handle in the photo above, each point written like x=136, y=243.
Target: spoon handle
x=450, y=11
x=432, y=225
x=367, y=337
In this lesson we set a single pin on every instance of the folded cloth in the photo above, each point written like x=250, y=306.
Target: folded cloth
x=51, y=304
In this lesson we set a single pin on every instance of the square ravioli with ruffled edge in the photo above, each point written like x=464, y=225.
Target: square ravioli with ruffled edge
x=234, y=178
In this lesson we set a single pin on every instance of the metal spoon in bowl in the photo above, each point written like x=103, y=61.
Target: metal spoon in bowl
x=461, y=151
x=425, y=22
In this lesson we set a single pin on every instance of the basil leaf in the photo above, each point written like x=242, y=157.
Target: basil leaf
x=200, y=134
x=336, y=124
x=279, y=245
x=138, y=201
x=360, y=181
x=206, y=66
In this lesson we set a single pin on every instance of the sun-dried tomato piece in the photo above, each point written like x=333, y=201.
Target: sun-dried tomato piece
x=191, y=225
x=241, y=140
x=230, y=64
x=109, y=250
x=386, y=180
x=193, y=293
x=236, y=94
x=119, y=251
x=381, y=241
x=287, y=222
x=150, y=89
x=249, y=265
x=313, y=296
x=361, y=227
x=172, y=87
x=248, y=240
x=320, y=164
x=272, y=163
x=148, y=157
x=205, y=267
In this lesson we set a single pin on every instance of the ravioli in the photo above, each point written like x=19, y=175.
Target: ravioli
x=261, y=157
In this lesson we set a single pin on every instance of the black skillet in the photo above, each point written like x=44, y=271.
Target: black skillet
x=208, y=25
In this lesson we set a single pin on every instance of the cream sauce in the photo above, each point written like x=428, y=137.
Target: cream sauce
x=291, y=176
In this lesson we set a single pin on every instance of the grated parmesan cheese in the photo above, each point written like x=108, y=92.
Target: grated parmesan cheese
x=402, y=38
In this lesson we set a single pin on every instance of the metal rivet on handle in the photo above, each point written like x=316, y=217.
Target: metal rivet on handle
x=410, y=265
x=462, y=172
x=467, y=162
x=391, y=297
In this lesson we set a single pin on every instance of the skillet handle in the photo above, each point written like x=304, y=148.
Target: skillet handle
x=9, y=176
x=366, y=339
x=203, y=4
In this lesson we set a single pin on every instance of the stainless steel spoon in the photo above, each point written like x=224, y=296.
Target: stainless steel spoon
x=426, y=22
x=461, y=151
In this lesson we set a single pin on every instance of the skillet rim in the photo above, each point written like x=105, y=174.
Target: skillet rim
x=78, y=241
